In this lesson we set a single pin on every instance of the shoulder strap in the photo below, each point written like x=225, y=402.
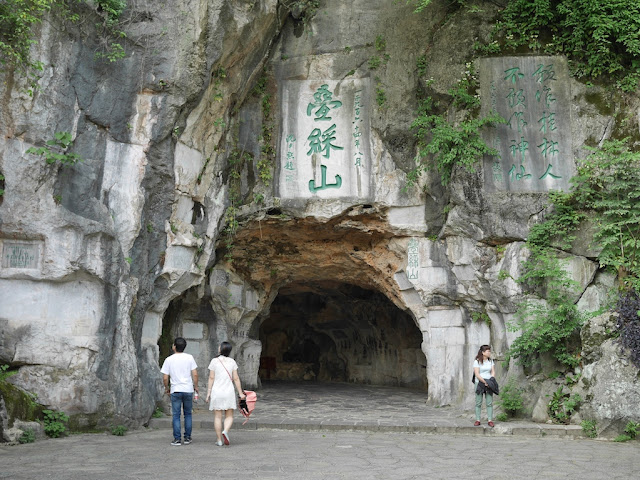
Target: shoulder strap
x=222, y=363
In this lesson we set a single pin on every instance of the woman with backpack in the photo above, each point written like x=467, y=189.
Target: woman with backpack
x=484, y=371
x=223, y=374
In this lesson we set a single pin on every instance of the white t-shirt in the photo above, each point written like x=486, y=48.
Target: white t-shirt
x=485, y=368
x=178, y=366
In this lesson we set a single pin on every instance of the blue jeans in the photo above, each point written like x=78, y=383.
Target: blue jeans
x=181, y=401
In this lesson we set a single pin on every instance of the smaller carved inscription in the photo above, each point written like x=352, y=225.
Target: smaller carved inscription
x=21, y=255
x=413, y=259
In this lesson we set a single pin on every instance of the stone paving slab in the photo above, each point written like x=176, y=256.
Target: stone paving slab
x=358, y=408
x=146, y=454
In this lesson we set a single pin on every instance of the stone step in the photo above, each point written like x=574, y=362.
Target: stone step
x=446, y=427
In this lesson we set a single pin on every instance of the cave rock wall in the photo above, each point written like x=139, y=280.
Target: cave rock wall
x=97, y=255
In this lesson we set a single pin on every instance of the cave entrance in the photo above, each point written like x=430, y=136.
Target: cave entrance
x=329, y=331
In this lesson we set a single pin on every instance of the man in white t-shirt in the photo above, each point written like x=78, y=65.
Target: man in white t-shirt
x=181, y=368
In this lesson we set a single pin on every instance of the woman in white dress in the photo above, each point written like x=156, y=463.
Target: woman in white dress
x=223, y=374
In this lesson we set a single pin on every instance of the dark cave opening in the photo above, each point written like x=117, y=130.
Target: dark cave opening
x=335, y=332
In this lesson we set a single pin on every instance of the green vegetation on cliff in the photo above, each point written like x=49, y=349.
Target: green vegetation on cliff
x=599, y=37
x=607, y=186
x=444, y=144
x=19, y=19
x=549, y=326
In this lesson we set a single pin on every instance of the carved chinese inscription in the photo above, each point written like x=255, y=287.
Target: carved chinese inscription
x=23, y=255
x=535, y=146
x=324, y=147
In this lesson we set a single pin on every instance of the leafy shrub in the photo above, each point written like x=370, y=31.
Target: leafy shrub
x=480, y=317
x=112, y=9
x=559, y=226
x=381, y=96
x=443, y=145
x=421, y=64
x=61, y=143
x=632, y=429
x=305, y=10
x=590, y=428
x=599, y=37
x=5, y=372
x=630, y=432
x=547, y=327
x=119, y=430
x=608, y=184
x=563, y=405
x=18, y=18
x=511, y=399
x=54, y=423
x=502, y=417
x=374, y=62
x=571, y=380
x=28, y=436
x=452, y=145
x=158, y=413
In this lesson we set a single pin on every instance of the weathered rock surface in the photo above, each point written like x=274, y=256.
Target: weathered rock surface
x=4, y=424
x=219, y=104
x=610, y=383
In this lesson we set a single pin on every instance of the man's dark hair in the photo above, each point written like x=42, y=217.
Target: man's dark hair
x=225, y=349
x=180, y=344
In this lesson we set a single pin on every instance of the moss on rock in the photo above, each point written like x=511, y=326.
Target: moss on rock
x=20, y=404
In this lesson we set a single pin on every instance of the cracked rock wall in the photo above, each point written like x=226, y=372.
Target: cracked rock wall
x=106, y=260
x=101, y=246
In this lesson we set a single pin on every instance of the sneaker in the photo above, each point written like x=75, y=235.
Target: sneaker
x=225, y=437
x=176, y=442
x=491, y=424
x=219, y=443
x=187, y=441
x=477, y=424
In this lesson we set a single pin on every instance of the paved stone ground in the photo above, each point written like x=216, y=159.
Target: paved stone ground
x=315, y=431
x=348, y=407
x=283, y=455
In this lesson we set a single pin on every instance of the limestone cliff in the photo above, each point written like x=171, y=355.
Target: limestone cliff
x=245, y=179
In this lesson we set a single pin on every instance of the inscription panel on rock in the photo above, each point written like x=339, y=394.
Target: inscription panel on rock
x=535, y=145
x=324, y=146
x=21, y=254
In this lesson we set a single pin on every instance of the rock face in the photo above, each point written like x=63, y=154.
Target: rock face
x=610, y=382
x=4, y=424
x=245, y=179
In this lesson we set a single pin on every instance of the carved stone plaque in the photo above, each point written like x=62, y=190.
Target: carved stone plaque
x=324, y=148
x=535, y=146
x=21, y=254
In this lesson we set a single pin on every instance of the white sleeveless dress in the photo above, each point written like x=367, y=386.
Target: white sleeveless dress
x=223, y=393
